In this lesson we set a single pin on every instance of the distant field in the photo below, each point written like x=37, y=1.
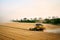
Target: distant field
x=15, y=31
x=29, y=25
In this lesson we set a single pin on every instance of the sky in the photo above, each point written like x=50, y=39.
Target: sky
x=17, y=9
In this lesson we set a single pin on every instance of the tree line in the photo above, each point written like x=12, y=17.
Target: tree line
x=52, y=21
x=26, y=20
x=34, y=20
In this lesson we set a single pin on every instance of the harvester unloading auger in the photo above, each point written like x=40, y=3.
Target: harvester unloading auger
x=38, y=27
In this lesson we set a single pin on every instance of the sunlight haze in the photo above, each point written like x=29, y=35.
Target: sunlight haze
x=17, y=9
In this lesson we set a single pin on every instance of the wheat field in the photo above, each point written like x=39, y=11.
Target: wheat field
x=19, y=31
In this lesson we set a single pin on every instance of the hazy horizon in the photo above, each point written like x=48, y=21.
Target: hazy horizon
x=17, y=9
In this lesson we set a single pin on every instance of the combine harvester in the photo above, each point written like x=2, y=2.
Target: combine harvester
x=38, y=27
